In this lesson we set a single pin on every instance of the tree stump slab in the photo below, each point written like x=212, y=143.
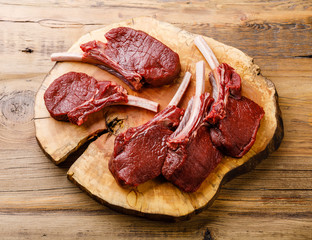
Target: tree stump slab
x=158, y=198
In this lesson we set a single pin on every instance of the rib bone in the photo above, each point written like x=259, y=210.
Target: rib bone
x=207, y=52
x=222, y=82
x=181, y=90
x=141, y=103
x=194, y=105
x=66, y=57
x=203, y=47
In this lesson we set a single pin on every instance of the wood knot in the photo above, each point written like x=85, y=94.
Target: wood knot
x=17, y=106
x=27, y=50
x=114, y=125
x=260, y=26
x=132, y=198
x=207, y=235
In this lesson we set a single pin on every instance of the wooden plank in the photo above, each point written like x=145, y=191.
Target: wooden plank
x=255, y=42
x=273, y=32
x=259, y=226
x=66, y=25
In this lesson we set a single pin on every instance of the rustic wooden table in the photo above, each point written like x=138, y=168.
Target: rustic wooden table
x=274, y=201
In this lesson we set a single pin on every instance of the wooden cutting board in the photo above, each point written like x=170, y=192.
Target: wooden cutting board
x=157, y=198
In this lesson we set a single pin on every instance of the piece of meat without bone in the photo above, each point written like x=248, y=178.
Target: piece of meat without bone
x=234, y=119
x=74, y=96
x=139, y=152
x=132, y=55
x=191, y=155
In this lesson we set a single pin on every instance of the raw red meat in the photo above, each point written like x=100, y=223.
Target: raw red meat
x=139, y=152
x=234, y=119
x=133, y=55
x=191, y=155
x=74, y=96
x=228, y=83
x=188, y=165
x=235, y=137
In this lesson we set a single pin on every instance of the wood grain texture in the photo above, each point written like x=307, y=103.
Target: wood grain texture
x=156, y=199
x=273, y=201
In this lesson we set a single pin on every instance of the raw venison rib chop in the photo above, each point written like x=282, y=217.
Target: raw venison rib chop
x=140, y=151
x=135, y=56
x=74, y=96
x=191, y=155
x=235, y=119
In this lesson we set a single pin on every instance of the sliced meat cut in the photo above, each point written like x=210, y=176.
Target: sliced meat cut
x=133, y=55
x=234, y=119
x=235, y=137
x=139, y=152
x=188, y=165
x=74, y=96
x=192, y=156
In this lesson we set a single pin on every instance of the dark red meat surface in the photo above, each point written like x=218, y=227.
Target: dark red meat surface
x=234, y=119
x=139, y=152
x=137, y=57
x=192, y=156
x=74, y=96
x=190, y=164
x=235, y=134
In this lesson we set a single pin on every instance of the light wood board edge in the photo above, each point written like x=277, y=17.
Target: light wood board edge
x=244, y=167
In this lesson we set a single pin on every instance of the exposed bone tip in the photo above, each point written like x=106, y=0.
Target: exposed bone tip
x=200, y=64
x=141, y=103
x=53, y=56
x=181, y=90
x=66, y=56
x=206, y=51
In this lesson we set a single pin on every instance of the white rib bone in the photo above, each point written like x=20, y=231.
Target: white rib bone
x=181, y=90
x=66, y=57
x=200, y=89
x=207, y=52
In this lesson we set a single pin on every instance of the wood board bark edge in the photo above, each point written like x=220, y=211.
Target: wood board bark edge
x=246, y=167
x=253, y=71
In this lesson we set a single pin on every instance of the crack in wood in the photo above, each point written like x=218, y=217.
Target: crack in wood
x=36, y=190
x=307, y=214
x=94, y=5
x=269, y=189
x=52, y=23
x=114, y=125
x=304, y=56
x=78, y=152
x=12, y=211
x=207, y=235
x=27, y=50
